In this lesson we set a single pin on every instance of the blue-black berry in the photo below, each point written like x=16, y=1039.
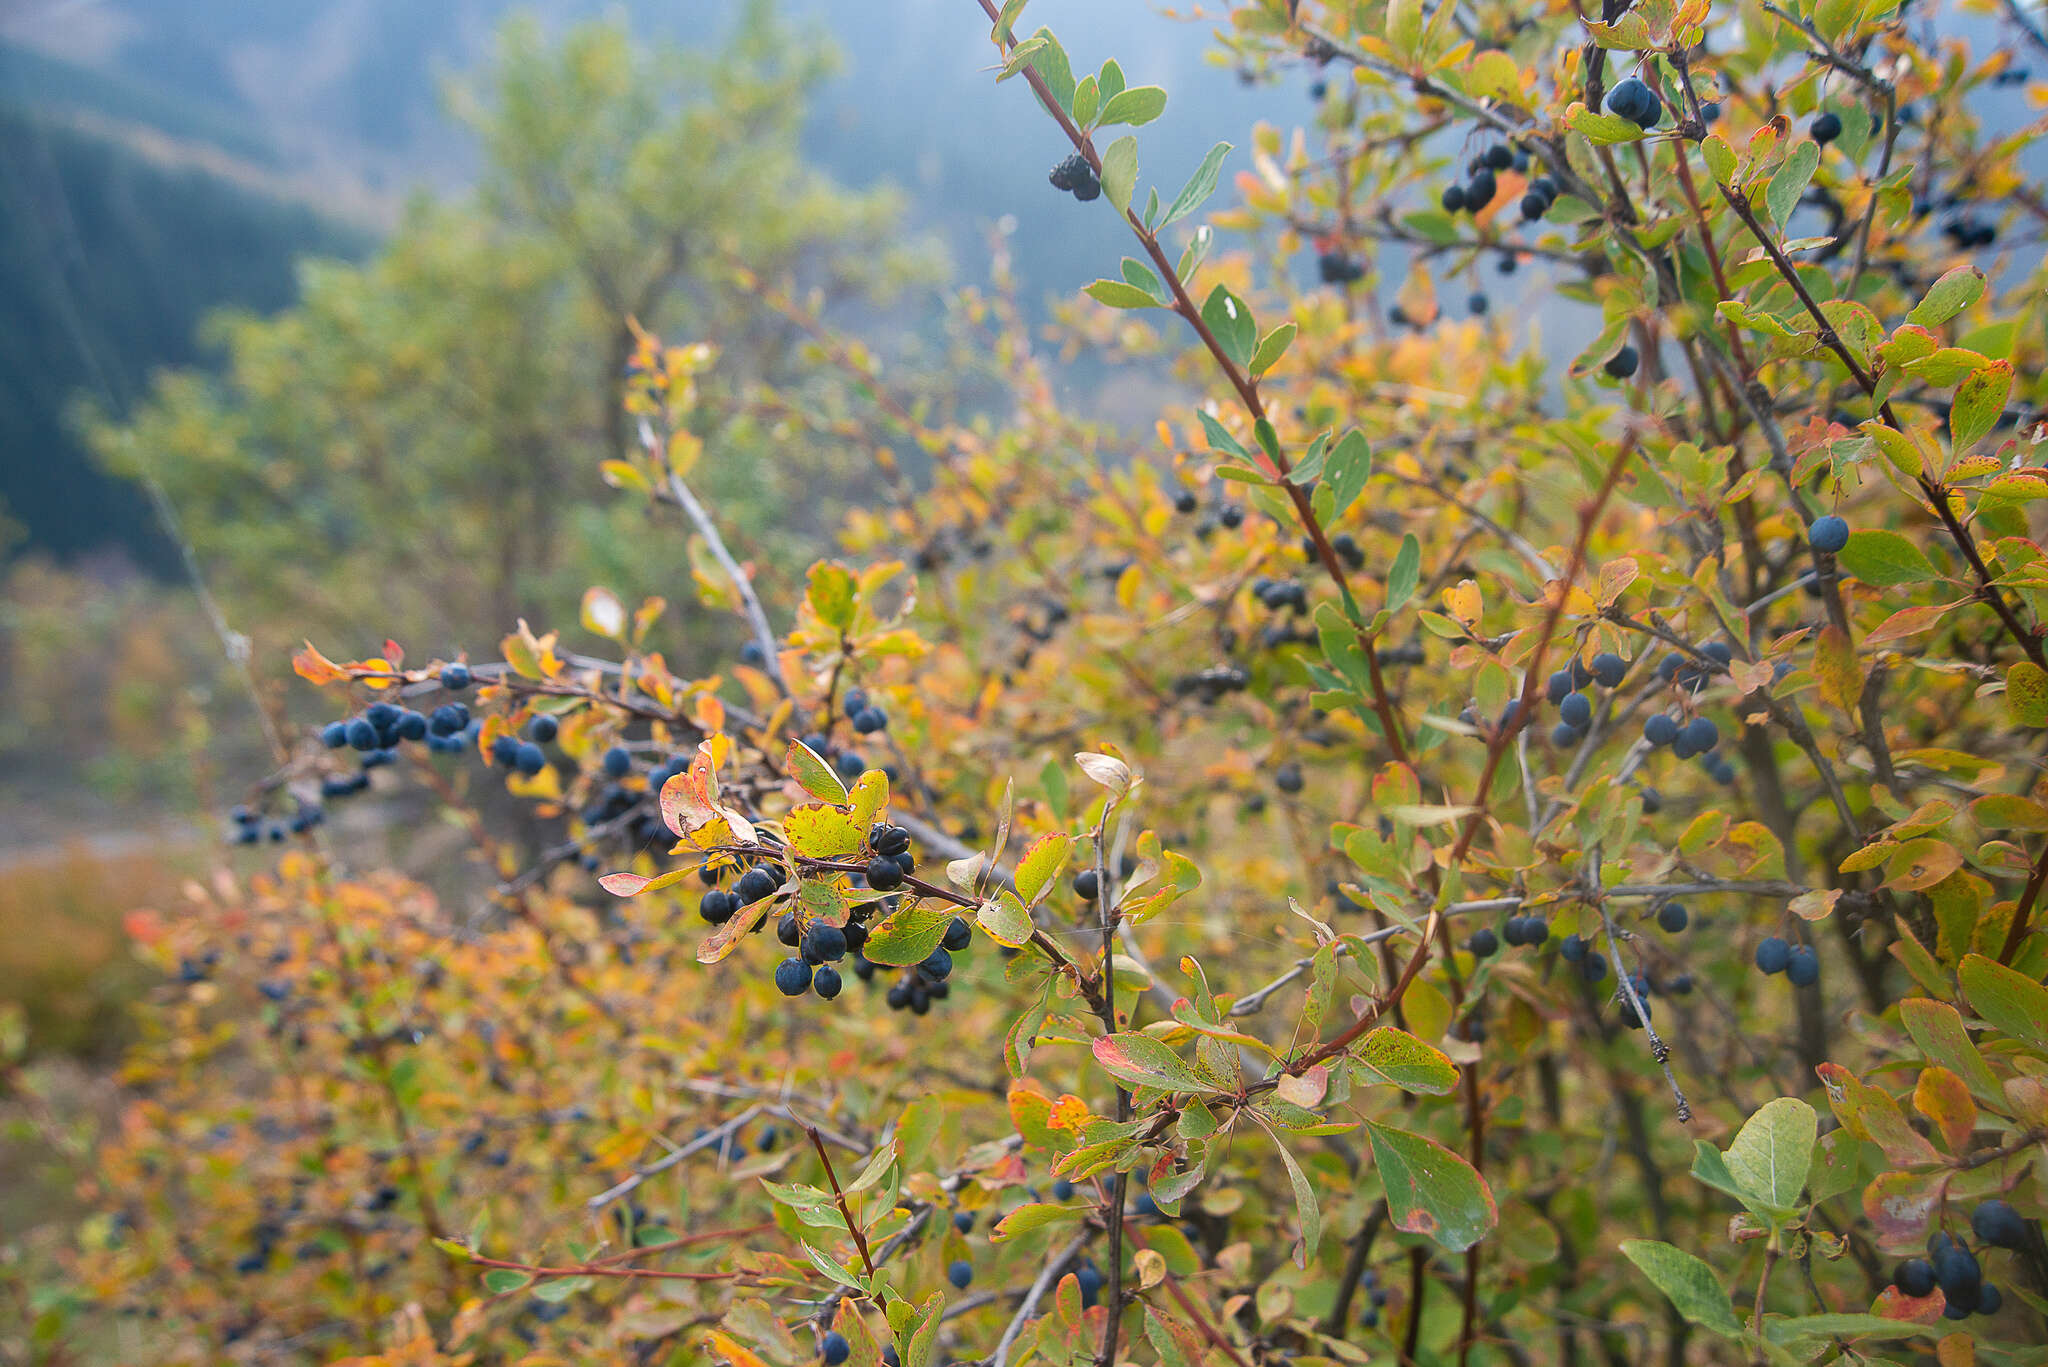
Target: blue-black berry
x=1773, y=953
x=793, y=977
x=1828, y=534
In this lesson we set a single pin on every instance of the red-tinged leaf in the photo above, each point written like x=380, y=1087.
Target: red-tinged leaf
x=1143, y=1061
x=624, y=884
x=1900, y=1204
x=1937, y=1028
x=1894, y=1304
x=2009, y=812
x=1870, y=1113
x=1431, y=1190
x=1031, y=1113
x=1919, y=864
x=814, y=775
x=1041, y=864
x=726, y=938
x=1944, y=1098
x=395, y=653
x=1909, y=622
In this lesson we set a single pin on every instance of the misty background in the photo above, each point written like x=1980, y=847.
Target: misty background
x=163, y=158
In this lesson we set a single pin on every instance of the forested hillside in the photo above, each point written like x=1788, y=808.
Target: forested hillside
x=108, y=262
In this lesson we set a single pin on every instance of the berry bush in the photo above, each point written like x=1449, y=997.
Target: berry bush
x=1440, y=852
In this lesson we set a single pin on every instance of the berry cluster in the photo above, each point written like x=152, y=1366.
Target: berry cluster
x=1076, y=176
x=1537, y=199
x=1953, y=1269
x=865, y=717
x=509, y=752
x=1636, y=102
x=1565, y=691
x=1375, y=1299
x=1799, y=964
x=1339, y=268
x=1698, y=737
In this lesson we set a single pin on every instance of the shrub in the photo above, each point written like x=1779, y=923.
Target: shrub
x=1258, y=1089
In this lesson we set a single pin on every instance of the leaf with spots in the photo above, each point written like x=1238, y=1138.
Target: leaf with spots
x=1399, y=1059
x=1431, y=1190
x=2026, y=694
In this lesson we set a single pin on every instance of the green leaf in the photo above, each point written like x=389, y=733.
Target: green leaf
x=1120, y=172
x=830, y=594
x=1842, y=1326
x=1431, y=1190
x=1771, y=1155
x=1406, y=573
x=1885, y=558
x=1144, y=277
x=1119, y=295
x=1005, y=919
x=1347, y=469
x=1958, y=288
x=1200, y=186
x=1720, y=157
x=559, y=1289
x=1781, y=196
x=1087, y=99
x=1979, y=401
x=499, y=1280
x=815, y=776
x=1687, y=1281
x=925, y=1336
x=1034, y=1216
x=1041, y=864
x=1195, y=253
x=1272, y=347
x=1111, y=79
x=831, y=1268
x=1143, y=1061
x=1050, y=62
x=1020, y=57
x=1605, y=130
x=2008, y=999
x=1938, y=1029
x=1306, y=1209
x=1230, y=322
x=1219, y=435
x=1397, y=1057
x=1136, y=106
x=908, y=935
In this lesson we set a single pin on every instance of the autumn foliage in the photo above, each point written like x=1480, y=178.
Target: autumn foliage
x=1336, y=988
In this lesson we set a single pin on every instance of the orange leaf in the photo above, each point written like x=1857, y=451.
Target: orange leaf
x=315, y=668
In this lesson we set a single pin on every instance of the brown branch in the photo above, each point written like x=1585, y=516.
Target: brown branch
x=860, y=1240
